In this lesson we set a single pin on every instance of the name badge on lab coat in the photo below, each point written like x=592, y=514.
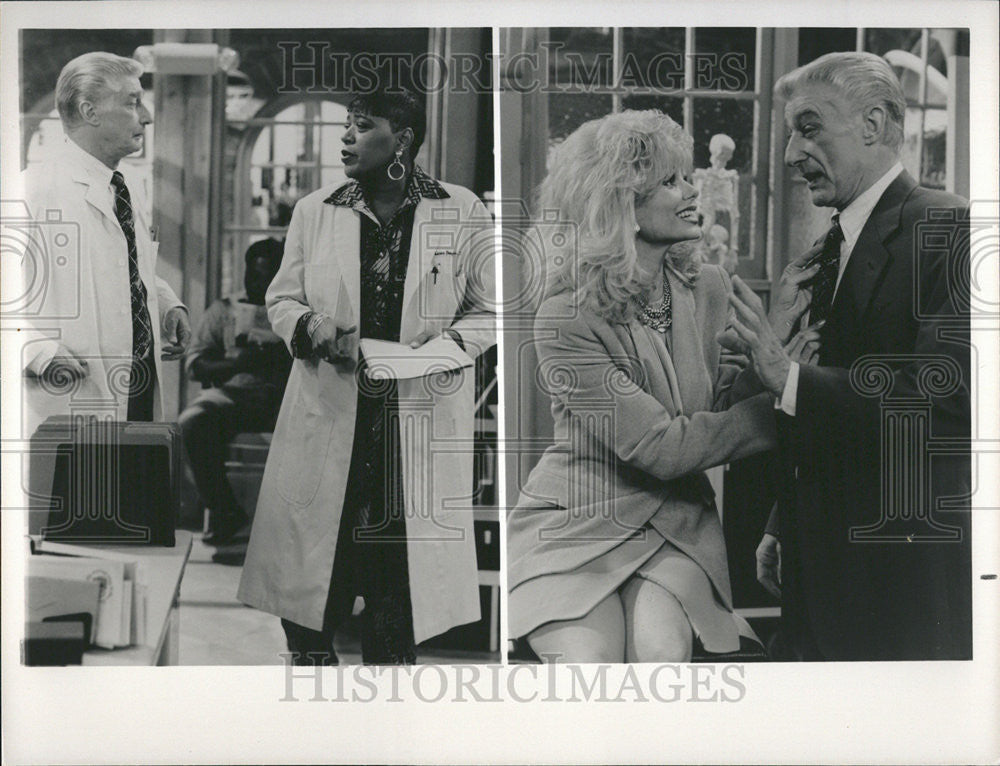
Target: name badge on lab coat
x=441, y=289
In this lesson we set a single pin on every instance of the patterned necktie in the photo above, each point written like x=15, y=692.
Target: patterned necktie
x=825, y=281
x=142, y=329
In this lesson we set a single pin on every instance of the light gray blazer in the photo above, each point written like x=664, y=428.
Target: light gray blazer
x=636, y=424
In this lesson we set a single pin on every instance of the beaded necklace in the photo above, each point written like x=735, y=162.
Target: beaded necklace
x=657, y=318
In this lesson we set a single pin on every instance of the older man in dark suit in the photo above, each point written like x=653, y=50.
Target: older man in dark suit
x=874, y=531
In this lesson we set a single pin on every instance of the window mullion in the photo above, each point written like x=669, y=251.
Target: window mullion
x=761, y=162
x=688, y=79
x=616, y=67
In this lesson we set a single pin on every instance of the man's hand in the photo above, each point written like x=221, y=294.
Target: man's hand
x=804, y=346
x=769, y=564
x=176, y=333
x=64, y=368
x=334, y=344
x=752, y=333
x=791, y=298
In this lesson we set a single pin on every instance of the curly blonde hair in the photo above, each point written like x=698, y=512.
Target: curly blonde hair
x=597, y=175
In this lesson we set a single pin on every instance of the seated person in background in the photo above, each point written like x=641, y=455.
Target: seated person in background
x=247, y=365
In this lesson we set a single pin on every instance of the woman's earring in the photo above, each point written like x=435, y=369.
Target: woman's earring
x=396, y=164
x=638, y=228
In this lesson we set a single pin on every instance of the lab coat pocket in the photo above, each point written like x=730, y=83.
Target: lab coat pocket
x=303, y=455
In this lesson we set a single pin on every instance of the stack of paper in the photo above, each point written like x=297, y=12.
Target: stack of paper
x=53, y=598
x=121, y=608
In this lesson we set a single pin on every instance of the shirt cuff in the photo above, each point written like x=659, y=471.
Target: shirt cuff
x=301, y=345
x=791, y=392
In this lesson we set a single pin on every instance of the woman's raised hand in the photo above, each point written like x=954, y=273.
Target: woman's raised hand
x=804, y=345
x=751, y=332
x=793, y=294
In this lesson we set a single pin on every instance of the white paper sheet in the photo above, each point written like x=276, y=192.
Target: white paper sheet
x=387, y=360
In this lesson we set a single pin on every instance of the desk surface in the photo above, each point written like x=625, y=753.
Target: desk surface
x=164, y=568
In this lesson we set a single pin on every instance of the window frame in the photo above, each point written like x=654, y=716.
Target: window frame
x=238, y=226
x=753, y=264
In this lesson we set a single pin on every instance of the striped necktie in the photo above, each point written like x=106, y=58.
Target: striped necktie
x=825, y=282
x=142, y=329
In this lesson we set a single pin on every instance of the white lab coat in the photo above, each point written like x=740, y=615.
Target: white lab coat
x=83, y=302
x=290, y=556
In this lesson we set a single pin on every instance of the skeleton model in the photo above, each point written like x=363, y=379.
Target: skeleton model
x=718, y=202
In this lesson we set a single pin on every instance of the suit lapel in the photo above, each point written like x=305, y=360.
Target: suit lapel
x=657, y=367
x=870, y=255
x=98, y=196
x=676, y=378
x=686, y=349
x=100, y=199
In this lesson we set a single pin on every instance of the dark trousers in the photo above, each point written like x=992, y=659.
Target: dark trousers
x=376, y=570
x=795, y=640
x=370, y=559
x=208, y=424
x=386, y=634
x=142, y=384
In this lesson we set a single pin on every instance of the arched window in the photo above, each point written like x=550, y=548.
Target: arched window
x=286, y=150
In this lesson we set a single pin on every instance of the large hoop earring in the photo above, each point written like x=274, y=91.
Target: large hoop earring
x=396, y=163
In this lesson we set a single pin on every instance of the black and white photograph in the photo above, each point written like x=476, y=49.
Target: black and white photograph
x=261, y=366
x=753, y=337
x=450, y=382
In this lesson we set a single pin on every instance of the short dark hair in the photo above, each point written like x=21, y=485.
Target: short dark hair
x=270, y=249
x=401, y=108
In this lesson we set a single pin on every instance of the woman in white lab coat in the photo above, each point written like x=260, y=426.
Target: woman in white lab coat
x=369, y=492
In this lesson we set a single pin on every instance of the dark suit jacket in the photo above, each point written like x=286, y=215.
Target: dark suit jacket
x=871, y=571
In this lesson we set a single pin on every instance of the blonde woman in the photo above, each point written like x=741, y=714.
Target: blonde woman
x=616, y=551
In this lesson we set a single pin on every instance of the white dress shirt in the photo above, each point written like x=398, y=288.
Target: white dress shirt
x=852, y=220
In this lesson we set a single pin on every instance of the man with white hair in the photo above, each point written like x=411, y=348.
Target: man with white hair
x=108, y=313
x=874, y=533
